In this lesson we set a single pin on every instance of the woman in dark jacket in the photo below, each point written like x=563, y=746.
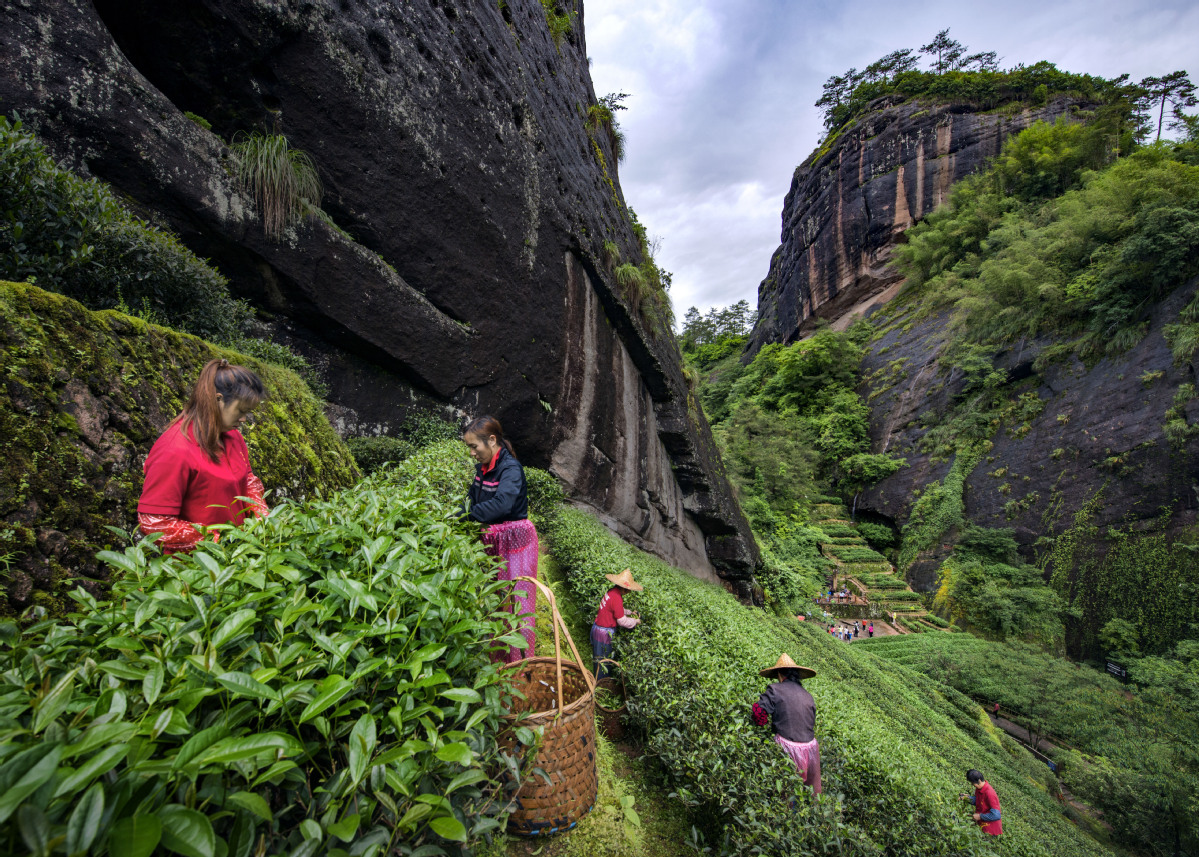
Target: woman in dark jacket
x=788, y=707
x=498, y=499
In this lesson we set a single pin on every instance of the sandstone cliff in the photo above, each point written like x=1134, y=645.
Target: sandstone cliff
x=853, y=198
x=467, y=203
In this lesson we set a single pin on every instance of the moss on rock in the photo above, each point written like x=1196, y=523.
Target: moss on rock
x=83, y=396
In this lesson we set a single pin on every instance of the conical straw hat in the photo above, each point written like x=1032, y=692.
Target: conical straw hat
x=625, y=579
x=785, y=663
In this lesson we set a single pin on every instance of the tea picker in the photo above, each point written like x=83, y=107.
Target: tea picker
x=788, y=707
x=610, y=616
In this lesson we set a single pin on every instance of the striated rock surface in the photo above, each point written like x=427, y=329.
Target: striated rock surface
x=467, y=204
x=853, y=198
x=1090, y=432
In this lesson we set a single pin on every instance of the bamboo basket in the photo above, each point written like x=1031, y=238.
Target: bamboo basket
x=559, y=696
x=609, y=719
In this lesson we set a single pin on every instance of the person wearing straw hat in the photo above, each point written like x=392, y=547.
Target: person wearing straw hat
x=610, y=616
x=789, y=708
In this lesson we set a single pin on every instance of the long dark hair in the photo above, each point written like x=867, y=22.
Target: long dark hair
x=202, y=415
x=486, y=425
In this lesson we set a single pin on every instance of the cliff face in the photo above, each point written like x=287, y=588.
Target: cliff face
x=852, y=199
x=467, y=203
x=1092, y=433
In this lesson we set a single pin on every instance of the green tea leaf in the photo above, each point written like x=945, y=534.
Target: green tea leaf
x=152, y=683
x=187, y=832
x=120, y=560
x=84, y=822
x=459, y=753
x=99, y=764
x=346, y=828
x=448, y=827
x=466, y=778
x=251, y=802
x=197, y=744
x=28, y=770
x=462, y=694
x=244, y=685
x=54, y=702
x=329, y=692
x=310, y=829
x=233, y=626
x=135, y=836
x=233, y=749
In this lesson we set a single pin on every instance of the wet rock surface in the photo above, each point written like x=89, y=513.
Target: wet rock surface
x=467, y=204
x=853, y=198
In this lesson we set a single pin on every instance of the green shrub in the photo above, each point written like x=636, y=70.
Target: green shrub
x=281, y=355
x=561, y=23
x=545, y=494
x=282, y=180
x=838, y=530
x=879, y=535
x=853, y=553
x=375, y=453
x=73, y=236
x=320, y=675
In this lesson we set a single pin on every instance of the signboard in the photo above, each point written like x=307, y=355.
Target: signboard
x=1117, y=670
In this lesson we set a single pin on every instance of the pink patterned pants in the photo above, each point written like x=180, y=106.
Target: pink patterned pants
x=515, y=542
x=806, y=757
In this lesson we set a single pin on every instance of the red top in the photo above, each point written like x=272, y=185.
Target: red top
x=611, y=608
x=182, y=480
x=985, y=800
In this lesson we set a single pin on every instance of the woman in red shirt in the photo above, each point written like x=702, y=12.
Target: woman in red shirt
x=611, y=616
x=200, y=464
x=986, y=803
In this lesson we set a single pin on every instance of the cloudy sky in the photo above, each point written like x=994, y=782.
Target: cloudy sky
x=721, y=98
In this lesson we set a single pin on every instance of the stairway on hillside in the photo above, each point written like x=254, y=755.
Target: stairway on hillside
x=876, y=591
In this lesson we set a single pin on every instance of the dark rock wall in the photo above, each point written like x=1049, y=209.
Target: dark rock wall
x=1100, y=432
x=469, y=206
x=852, y=199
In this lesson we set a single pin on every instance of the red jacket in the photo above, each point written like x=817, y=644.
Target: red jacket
x=985, y=800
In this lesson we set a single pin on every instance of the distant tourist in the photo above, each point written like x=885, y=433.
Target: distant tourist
x=200, y=465
x=788, y=707
x=870, y=630
x=498, y=499
x=610, y=616
x=986, y=803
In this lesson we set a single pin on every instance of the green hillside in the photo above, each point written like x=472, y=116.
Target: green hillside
x=895, y=745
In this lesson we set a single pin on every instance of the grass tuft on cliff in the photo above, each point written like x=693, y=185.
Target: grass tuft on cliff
x=282, y=180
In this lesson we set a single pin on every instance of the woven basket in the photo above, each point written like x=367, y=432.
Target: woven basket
x=609, y=719
x=559, y=696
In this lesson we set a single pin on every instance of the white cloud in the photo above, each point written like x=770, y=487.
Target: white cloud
x=722, y=92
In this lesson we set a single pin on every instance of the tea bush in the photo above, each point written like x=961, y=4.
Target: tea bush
x=1136, y=754
x=74, y=237
x=895, y=745
x=317, y=682
x=374, y=453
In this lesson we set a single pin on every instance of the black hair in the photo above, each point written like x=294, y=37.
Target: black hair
x=791, y=675
x=975, y=776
